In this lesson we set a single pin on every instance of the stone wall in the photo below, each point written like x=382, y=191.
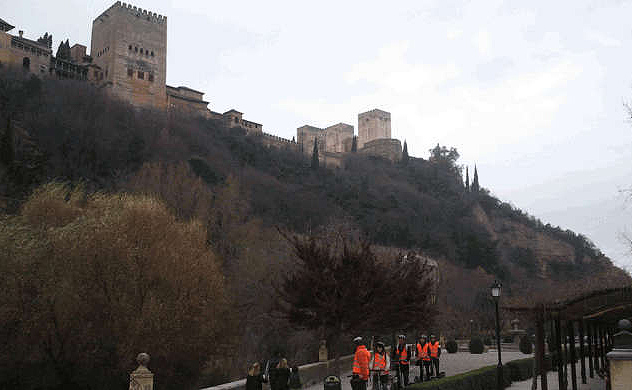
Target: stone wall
x=311, y=374
x=277, y=142
x=187, y=100
x=130, y=45
x=22, y=53
x=338, y=138
x=387, y=148
x=372, y=125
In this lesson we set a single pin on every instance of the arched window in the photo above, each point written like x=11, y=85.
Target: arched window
x=26, y=63
x=152, y=53
x=130, y=47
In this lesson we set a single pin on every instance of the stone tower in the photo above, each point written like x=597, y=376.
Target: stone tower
x=130, y=46
x=374, y=124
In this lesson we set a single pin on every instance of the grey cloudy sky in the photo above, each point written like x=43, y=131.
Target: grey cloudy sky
x=532, y=92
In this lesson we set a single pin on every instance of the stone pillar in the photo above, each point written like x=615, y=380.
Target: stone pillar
x=141, y=378
x=620, y=358
x=322, y=351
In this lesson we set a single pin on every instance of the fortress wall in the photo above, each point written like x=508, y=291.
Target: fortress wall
x=387, y=148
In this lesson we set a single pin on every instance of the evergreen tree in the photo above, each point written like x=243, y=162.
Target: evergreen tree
x=405, y=154
x=315, y=161
x=293, y=140
x=354, y=144
x=475, y=186
x=467, y=180
x=7, y=150
x=63, y=51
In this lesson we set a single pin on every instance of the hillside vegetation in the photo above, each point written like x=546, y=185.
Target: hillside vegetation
x=241, y=192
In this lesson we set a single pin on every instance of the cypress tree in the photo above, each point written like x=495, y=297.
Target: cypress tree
x=7, y=150
x=315, y=161
x=467, y=180
x=475, y=186
x=354, y=144
x=405, y=154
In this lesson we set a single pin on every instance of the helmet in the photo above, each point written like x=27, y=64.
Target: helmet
x=401, y=336
x=432, y=336
x=423, y=336
x=357, y=340
x=379, y=344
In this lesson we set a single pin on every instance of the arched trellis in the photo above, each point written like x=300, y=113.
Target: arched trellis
x=592, y=317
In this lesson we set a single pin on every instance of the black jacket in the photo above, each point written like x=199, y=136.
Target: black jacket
x=253, y=382
x=279, y=378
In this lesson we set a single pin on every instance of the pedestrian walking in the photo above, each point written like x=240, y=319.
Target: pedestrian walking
x=295, y=379
x=360, y=372
x=255, y=377
x=280, y=376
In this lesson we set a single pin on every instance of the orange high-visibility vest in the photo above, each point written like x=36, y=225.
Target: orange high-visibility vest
x=379, y=363
x=361, y=362
x=434, y=349
x=403, y=355
x=422, y=352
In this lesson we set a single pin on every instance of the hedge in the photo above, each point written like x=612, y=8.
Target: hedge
x=483, y=378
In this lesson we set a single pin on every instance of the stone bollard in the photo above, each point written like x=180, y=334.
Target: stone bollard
x=322, y=351
x=141, y=378
x=620, y=358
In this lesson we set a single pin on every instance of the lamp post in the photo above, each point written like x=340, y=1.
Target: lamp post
x=496, y=287
x=471, y=329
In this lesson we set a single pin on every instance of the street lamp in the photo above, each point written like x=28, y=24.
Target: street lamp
x=496, y=287
x=471, y=328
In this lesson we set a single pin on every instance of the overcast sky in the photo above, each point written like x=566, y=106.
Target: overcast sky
x=531, y=92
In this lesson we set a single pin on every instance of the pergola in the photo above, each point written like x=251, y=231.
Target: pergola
x=592, y=316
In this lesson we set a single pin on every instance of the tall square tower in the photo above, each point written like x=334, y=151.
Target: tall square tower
x=374, y=124
x=130, y=46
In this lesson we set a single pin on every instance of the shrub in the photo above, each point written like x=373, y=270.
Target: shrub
x=483, y=378
x=92, y=280
x=476, y=345
x=525, y=345
x=451, y=346
x=519, y=370
x=488, y=341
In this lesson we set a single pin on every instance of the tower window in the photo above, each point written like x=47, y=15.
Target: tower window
x=151, y=77
x=136, y=49
x=141, y=75
x=141, y=50
x=130, y=47
x=152, y=53
x=130, y=72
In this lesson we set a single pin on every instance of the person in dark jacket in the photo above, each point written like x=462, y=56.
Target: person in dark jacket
x=255, y=378
x=280, y=376
x=295, y=379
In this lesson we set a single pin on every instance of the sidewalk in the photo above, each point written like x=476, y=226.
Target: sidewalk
x=595, y=383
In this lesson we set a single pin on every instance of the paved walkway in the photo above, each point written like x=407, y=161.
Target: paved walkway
x=593, y=384
x=451, y=363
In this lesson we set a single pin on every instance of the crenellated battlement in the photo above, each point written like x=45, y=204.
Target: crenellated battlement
x=136, y=11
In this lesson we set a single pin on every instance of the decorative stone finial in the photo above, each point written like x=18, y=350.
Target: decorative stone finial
x=142, y=359
x=625, y=324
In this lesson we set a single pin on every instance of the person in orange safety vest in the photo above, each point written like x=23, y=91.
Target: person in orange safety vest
x=401, y=355
x=380, y=365
x=435, y=353
x=360, y=365
x=423, y=357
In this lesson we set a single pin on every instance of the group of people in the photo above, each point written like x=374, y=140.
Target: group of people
x=425, y=353
x=279, y=375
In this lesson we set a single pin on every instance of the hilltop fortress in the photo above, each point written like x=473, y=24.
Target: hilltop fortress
x=128, y=57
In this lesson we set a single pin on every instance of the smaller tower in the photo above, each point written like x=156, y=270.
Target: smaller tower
x=374, y=124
